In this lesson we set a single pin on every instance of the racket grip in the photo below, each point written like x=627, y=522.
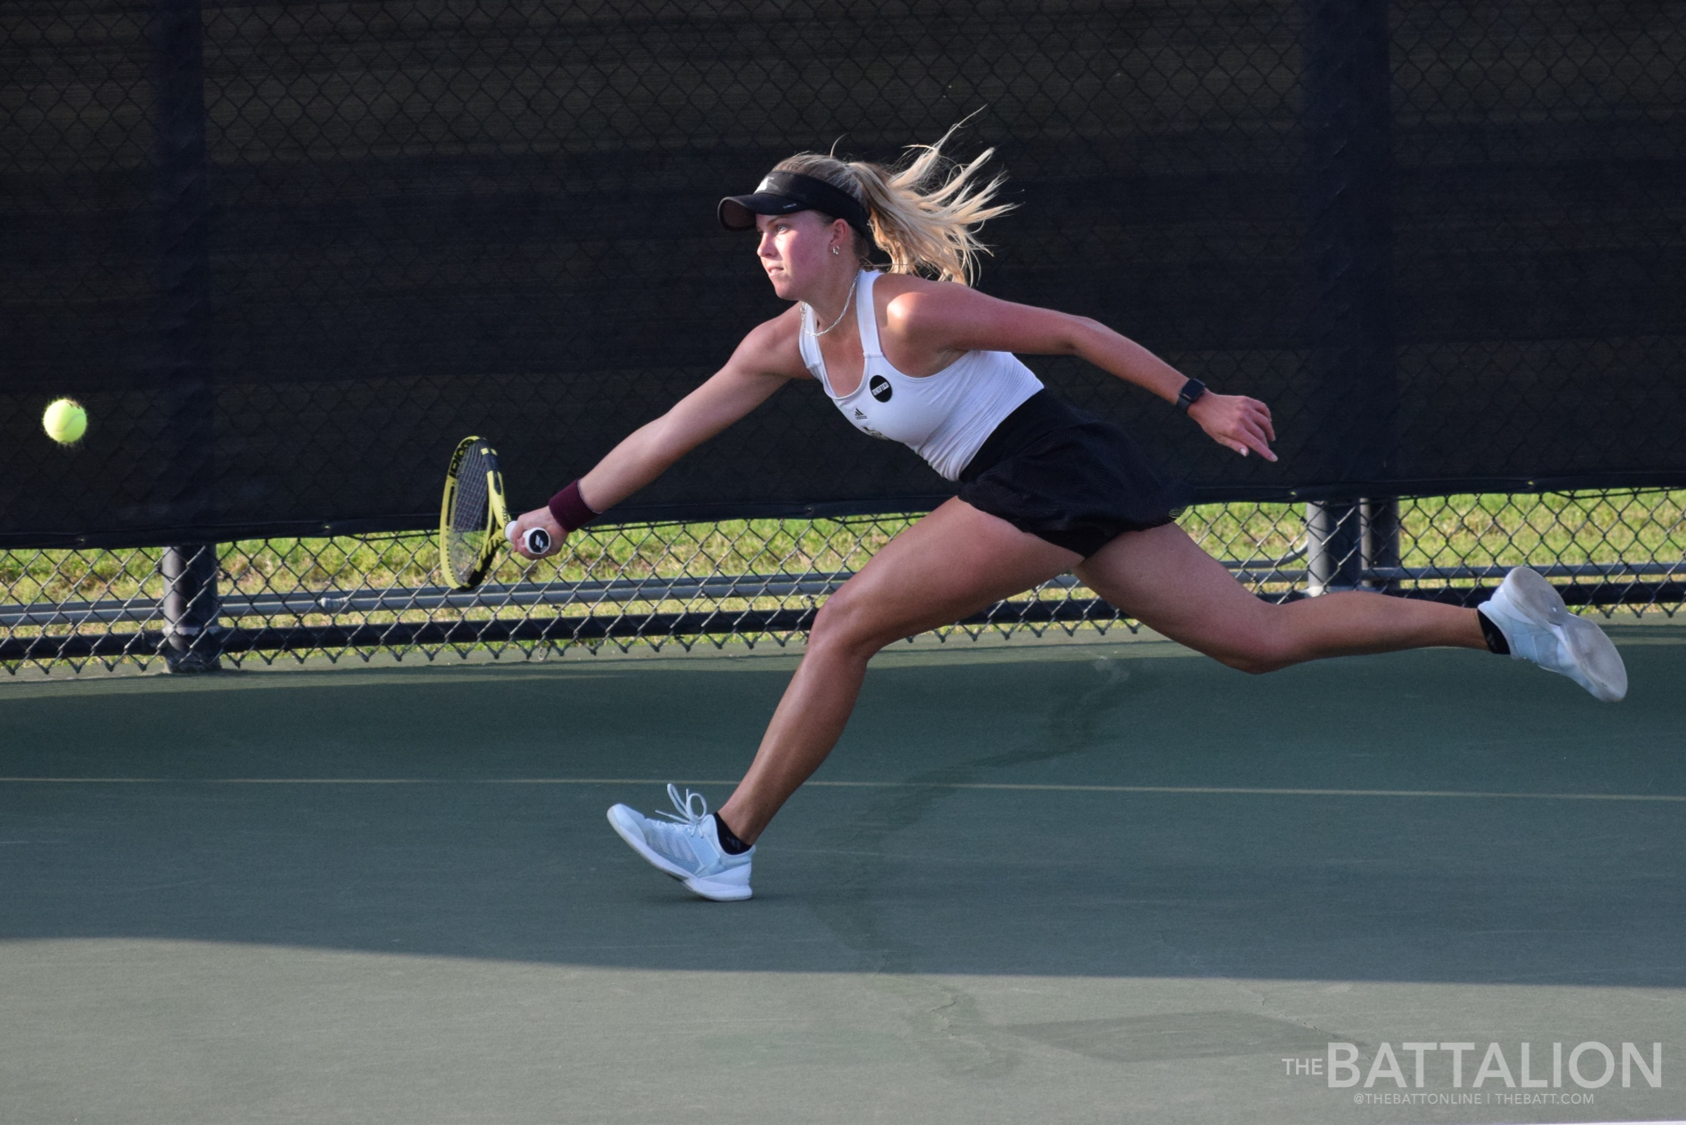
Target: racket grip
x=537, y=540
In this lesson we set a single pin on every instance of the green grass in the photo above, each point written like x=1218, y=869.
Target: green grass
x=1474, y=530
x=1479, y=530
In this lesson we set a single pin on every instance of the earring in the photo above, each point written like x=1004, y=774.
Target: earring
x=835, y=251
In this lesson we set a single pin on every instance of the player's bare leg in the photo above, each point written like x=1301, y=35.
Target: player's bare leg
x=951, y=564
x=1162, y=578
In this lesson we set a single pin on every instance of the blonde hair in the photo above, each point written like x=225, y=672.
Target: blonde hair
x=924, y=213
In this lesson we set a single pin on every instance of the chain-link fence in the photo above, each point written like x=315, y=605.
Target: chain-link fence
x=290, y=253
x=759, y=582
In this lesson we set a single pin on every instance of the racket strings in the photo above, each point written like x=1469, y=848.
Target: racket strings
x=469, y=521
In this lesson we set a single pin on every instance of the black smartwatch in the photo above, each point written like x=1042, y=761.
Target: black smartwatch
x=1190, y=394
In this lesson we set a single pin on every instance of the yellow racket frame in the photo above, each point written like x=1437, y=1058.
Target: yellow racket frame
x=497, y=513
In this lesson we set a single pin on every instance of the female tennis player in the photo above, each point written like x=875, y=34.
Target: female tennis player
x=911, y=353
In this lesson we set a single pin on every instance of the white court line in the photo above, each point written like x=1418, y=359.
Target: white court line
x=1189, y=790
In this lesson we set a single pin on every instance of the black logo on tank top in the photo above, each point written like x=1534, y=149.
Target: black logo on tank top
x=880, y=388
x=860, y=420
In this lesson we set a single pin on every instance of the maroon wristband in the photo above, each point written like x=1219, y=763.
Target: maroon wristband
x=570, y=510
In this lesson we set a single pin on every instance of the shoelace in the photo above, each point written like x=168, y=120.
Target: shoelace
x=689, y=817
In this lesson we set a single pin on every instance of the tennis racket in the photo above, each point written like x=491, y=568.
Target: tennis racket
x=474, y=518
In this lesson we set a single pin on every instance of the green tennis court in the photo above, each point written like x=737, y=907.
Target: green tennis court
x=1084, y=882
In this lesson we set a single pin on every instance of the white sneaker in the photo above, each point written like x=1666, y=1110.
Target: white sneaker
x=1539, y=627
x=688, y=848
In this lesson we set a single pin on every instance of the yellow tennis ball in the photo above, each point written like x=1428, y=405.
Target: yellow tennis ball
x=65, y=421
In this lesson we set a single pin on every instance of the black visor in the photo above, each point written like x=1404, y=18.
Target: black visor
x=785, y=193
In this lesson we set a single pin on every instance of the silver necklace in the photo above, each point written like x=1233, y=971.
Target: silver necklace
x=846, y=302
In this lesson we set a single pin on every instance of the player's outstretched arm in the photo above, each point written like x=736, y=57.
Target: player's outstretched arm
x=765, y=360
x=953, y=318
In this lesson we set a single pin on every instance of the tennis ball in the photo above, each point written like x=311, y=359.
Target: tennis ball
x=65, y=421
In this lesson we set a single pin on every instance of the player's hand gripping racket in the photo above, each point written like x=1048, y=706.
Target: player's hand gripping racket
x=474, y=519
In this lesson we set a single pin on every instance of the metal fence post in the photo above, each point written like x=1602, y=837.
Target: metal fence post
x=190, y=607
x=189, y=569
x=1347, y=118
x=1379, y=541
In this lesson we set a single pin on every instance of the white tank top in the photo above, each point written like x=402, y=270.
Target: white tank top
x=944, y=417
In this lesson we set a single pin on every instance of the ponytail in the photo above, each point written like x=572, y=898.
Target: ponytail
x=924, y=213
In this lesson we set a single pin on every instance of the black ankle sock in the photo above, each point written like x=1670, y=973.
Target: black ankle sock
x=729, y=842
x=1495, y=639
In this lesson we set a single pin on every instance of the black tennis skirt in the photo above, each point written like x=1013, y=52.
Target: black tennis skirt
x=1068, y=477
